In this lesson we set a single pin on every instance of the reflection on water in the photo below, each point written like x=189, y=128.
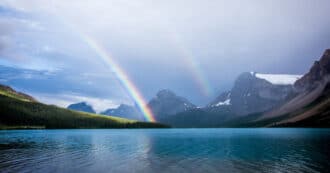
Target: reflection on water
x=165, y=150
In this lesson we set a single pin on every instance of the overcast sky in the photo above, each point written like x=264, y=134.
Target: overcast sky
x=194, y=47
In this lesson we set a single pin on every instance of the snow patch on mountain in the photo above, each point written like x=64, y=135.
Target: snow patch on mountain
x=278, y=79
x=226, y=102
x=223, y=100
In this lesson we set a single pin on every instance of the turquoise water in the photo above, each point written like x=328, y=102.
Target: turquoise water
x=165, y=150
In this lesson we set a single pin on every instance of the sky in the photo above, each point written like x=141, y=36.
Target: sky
x=62, y=52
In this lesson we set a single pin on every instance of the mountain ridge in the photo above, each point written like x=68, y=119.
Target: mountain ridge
x=255, y=100
x=263, y=100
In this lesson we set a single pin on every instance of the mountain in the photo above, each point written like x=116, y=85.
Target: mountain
x=317, y=75
x=256, y=92
x=311, y=104
x=125, y=111
x=18, y=110
x=268, y=100
x=167, y=103
x=82, y=106
x=224, y=99
x=252, y=93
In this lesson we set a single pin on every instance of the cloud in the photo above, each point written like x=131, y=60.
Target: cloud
x=14, y=26
x=30, y=41
x=149, y=39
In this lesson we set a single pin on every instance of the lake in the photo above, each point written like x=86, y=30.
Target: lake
x=165, y=150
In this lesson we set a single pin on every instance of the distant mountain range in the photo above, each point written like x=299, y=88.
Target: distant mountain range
x=21, y=111
x=259, y=100
x=164, y=104
x=125, y=111
x=256, y=100
x=252, y=93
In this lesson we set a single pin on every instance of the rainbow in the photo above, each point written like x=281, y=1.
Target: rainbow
x=121, y=76
x=195, y=69
x=191, y=62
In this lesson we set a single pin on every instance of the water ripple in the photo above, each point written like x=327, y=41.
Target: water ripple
x=167, y=150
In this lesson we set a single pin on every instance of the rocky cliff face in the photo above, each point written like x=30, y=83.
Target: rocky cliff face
x=319, y=73
x=313, y=86
x=254, y=92
x=251, y=94
x=167, y=103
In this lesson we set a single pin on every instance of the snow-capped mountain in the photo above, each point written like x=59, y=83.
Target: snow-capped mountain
x=82, y=106
x=255, y=92
x=278, y=79
x=252, y=93
x=167, y=103
x=263, y=100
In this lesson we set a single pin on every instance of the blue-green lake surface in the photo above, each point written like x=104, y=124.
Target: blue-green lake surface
x=165, y=150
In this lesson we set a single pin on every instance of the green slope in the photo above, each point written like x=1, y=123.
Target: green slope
x=18, y=110
x=9, y=92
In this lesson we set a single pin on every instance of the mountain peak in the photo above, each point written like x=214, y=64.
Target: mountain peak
x=256, y=92
x=82, y=106
x=318, y=73
x=165, y=93
x=327, y=52
x=167, y=103
x=325, y=61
